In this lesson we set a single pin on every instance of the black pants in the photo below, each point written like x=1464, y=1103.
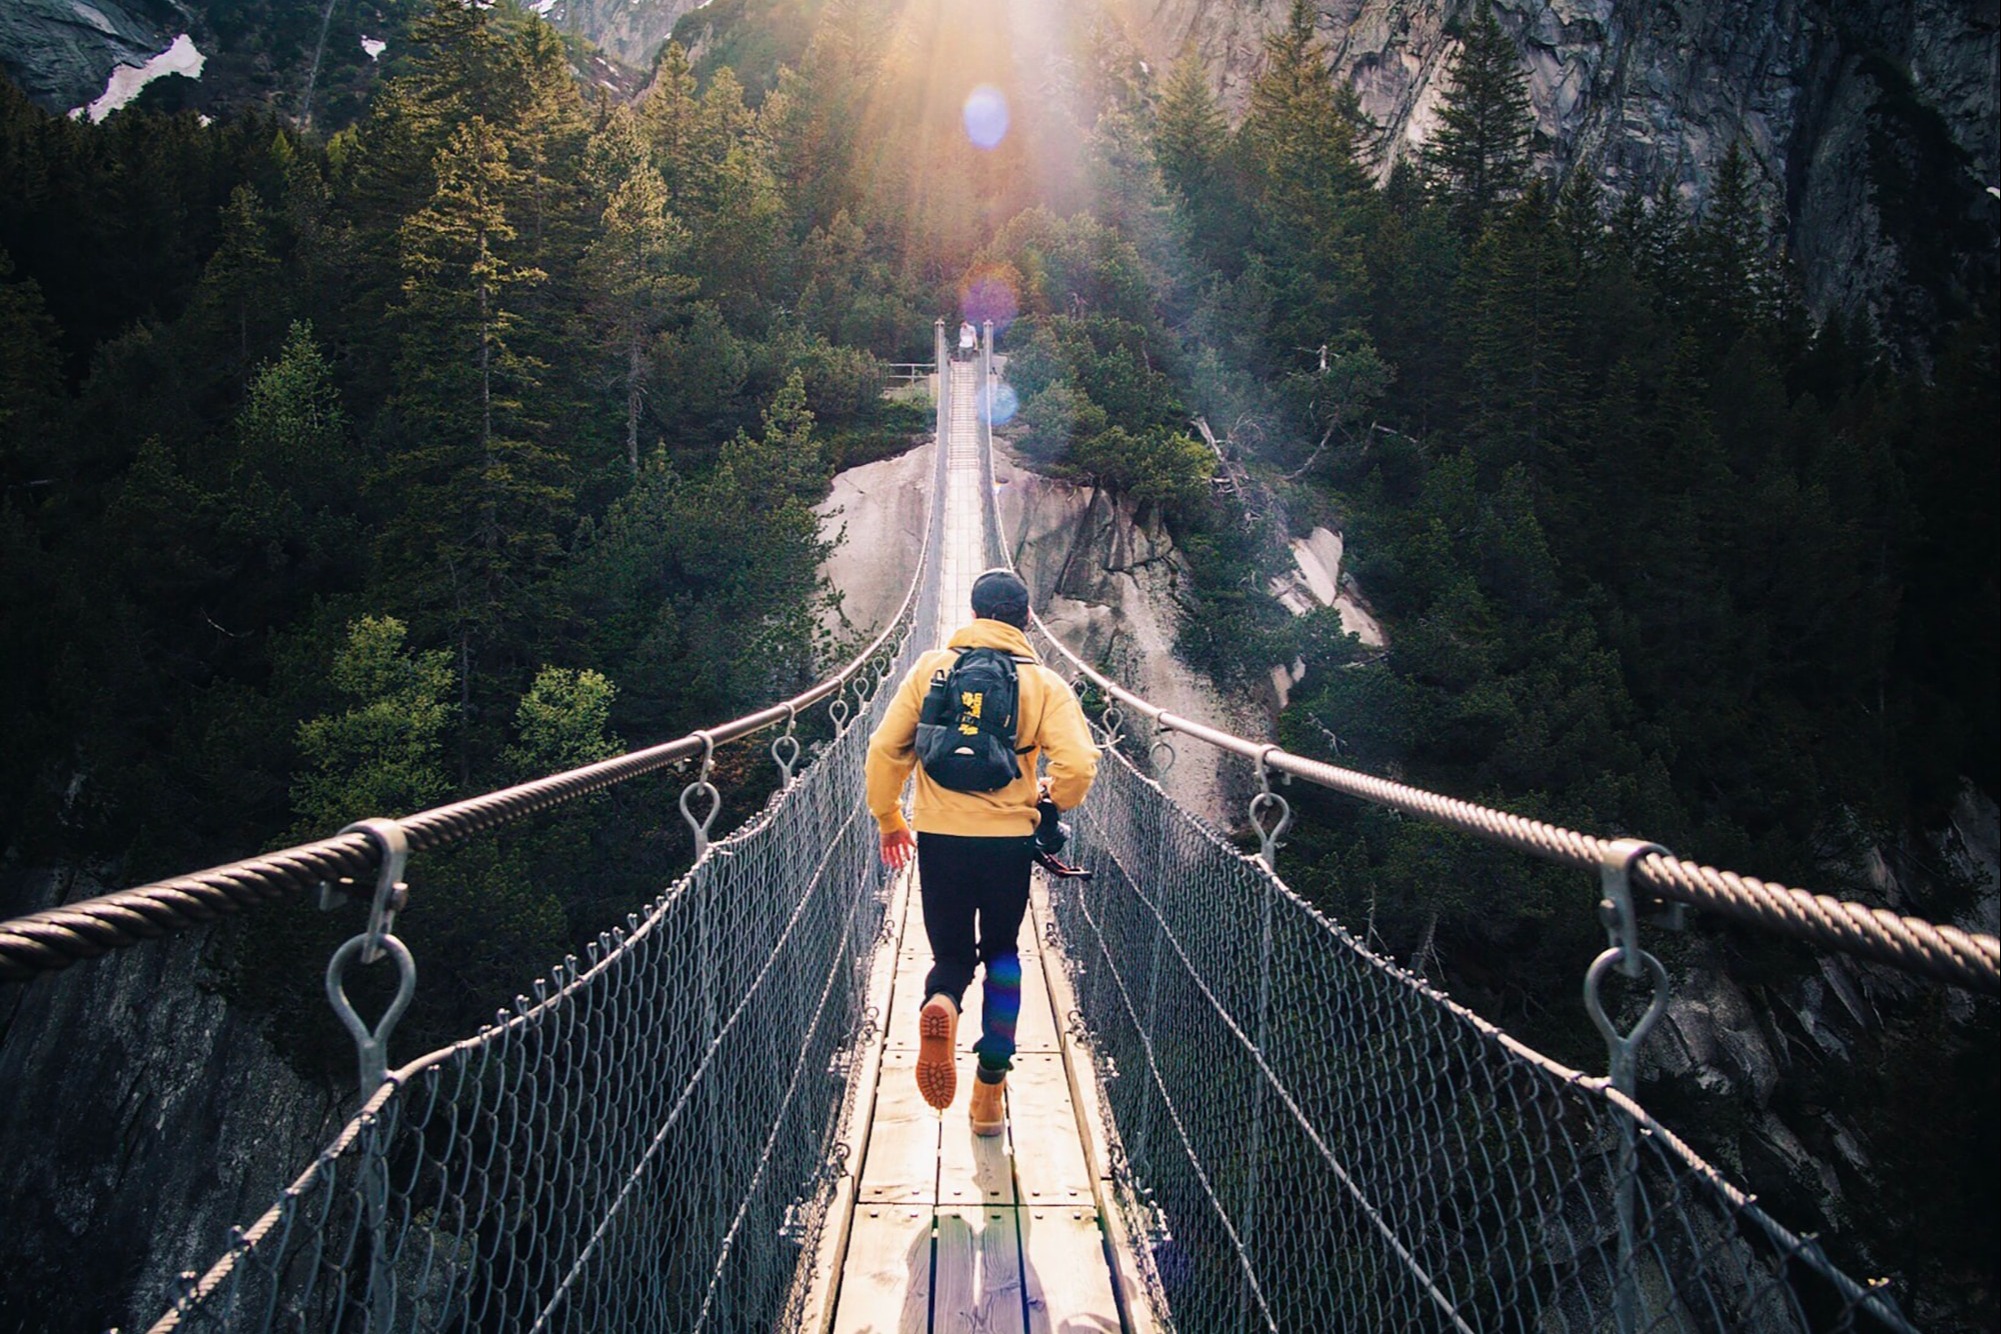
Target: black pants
x=975, y=895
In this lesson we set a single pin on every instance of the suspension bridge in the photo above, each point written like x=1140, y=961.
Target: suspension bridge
x=1228, y=1113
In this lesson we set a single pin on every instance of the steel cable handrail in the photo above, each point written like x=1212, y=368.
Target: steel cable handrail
x=53, y=939
x=1942, y=952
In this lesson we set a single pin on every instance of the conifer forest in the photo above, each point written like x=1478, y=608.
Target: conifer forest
x=474, y=429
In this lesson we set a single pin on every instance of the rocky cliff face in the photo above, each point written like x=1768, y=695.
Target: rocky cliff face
x=143, y=1119
x=61, y=52
x=1873, y=124
x=309, y=60
x=1110, y=587
x=875, y=516
x=1804, y=1083
x=632, y=31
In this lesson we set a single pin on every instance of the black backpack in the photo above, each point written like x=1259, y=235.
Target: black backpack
x=966, y=729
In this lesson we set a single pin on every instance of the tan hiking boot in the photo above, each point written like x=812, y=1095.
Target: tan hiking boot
x=937, y=1055
x=989, y=1110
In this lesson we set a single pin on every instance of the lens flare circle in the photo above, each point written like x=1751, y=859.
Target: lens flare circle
x=1005, y=404
x=986, y=116
x=988, y=293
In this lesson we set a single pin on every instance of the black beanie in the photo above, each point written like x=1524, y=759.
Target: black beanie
x=999, y=595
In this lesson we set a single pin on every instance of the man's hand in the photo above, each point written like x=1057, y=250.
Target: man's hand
x=898, y=845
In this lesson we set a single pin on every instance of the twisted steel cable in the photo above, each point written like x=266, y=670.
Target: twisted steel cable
x=55, y=938
x=1941, y=952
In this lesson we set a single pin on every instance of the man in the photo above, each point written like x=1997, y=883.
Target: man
x=974, y=849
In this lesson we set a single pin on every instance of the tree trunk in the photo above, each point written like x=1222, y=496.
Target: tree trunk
x=635, y=361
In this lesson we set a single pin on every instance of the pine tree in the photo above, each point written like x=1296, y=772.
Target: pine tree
x=241, y=302
x=1519, y=294
x=1479, y=156
x=1299, y=133
x=1312, y=196
x=546, y=143
x=292, y=433
x=481, y=500
x=670, y=111
x=460, y=69
x=30, y=381
x=1414, y=263
x=1190, y=135
x=629, y=270
x=1731, y=287
x=1191, y=142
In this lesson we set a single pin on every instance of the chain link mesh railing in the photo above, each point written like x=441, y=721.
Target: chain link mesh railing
x=649, y=1143
x=1314, y=1139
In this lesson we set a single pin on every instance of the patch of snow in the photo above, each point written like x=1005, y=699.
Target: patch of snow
x=126, y=81
x=543, y=7
x=374, y=46
x=1994, y=190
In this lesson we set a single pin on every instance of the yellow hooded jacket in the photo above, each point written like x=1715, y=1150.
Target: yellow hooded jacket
x=1052, y=725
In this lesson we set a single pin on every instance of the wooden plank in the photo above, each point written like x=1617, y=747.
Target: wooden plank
x=972, y=1169
x=1049, y=1162
x=978, y=1287
x=912, y=963
x=902, y=1161
x=1132, y=1268
x=886, y=1285
x=1063, y=1263
x=821, y=1273
x=916, y=1155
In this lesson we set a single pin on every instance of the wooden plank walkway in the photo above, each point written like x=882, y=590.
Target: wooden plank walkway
x=948, y=1230
x=960, y=1232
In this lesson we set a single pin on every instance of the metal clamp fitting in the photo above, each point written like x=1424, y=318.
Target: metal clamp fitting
x=785, y=748
x=1622, y=929
x=702, y=786
x=1615, y=908
x=1265, y=800
x=391, y=893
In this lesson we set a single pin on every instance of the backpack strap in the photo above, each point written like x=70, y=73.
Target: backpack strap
x=1020, y=660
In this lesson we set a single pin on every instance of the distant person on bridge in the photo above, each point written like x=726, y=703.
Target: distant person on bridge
x=969, y=340
x=976, y=811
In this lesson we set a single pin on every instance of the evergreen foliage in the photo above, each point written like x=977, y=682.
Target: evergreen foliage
x=347, y=475
x=1479, y=155
x=1653, y=553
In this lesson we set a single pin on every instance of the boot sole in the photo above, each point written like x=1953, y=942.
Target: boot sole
x=937, y=1072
